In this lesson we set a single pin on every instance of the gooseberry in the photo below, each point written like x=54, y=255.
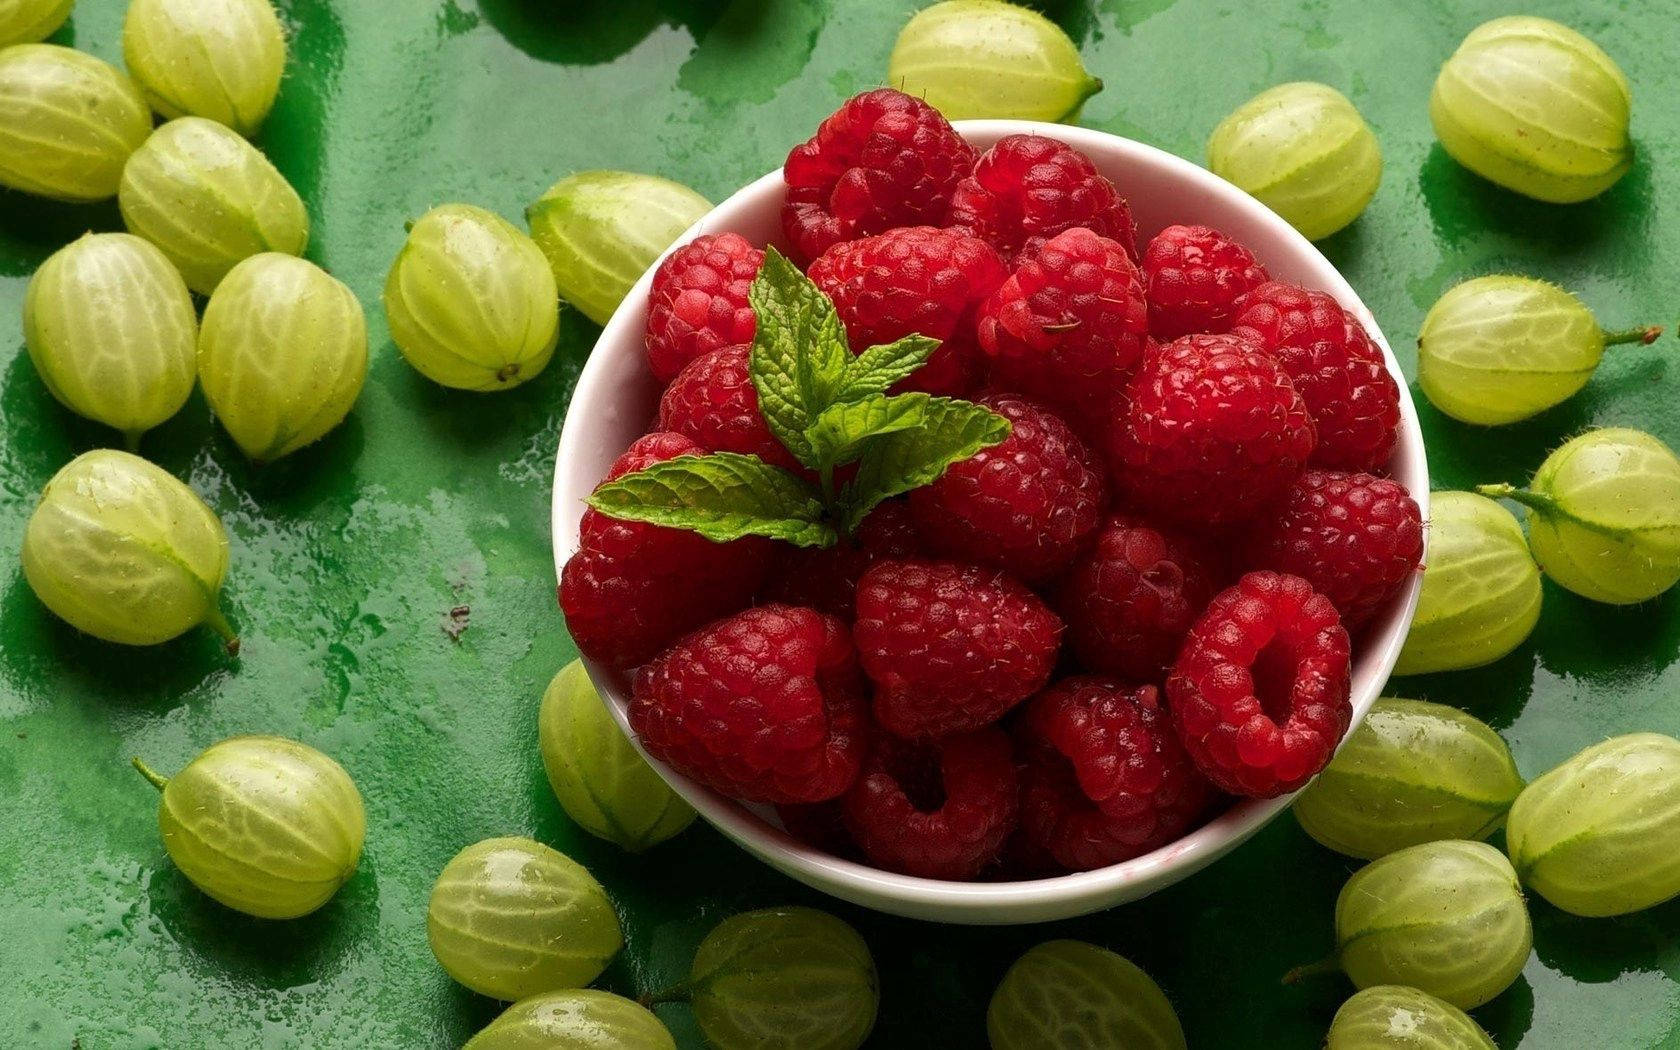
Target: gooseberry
x=988, y=58
x=1304, y=151
x=1412, y=772
x=471, y=301
x=110, y=327
x=282, y=354
x=1481, y=589
x=1535, y=107
x=511, y=918
x=1600, y=834
x=68, y=122
x=1069, y=993
x=1604, y=515
x=27, y=21
x=208, y=198
x=1502, y=348
x=600, y=230
x=218, y=59
x=120, y=549
x=265, y=825
x=578, y=1019
x=1394, y=1017
x=601, y=780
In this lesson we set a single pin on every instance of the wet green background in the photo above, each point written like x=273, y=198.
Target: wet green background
x=348, y=557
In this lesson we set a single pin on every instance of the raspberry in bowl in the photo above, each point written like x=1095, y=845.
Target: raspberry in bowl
x=1087, y=531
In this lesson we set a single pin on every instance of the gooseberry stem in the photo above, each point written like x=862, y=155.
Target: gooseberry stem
x=1645, y=336
x=219, y=623
x=158, y=780
x=1328, y=964
x=1532, y=500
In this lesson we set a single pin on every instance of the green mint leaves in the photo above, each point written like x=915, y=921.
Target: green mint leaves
x=829, y=408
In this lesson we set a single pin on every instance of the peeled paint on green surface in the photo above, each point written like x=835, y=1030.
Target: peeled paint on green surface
x=68, y=122
x=584, y=1019
x=1069, y=993
x=28, y=21
x=217, y=59
x=1394, y=1017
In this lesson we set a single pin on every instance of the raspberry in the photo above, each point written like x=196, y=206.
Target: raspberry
x=950, y=647
x=883, y=159
x=1335, y=365
x=713, y=403
x=819, y=824
x=1028, y=188
x=1356, y=538
x=766, y=706
x=825, y=578
x=632, y=587
x=1070, y=325
x=699, y=301
x=1210, y=431
x=939, y=809
x=1259, y=693
x=1130, y=601
x=1195, y=274
x=915, y=279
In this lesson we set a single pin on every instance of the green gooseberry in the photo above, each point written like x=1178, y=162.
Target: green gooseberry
x=282, y=354
x=783, y=979
x=1535, y=107
x=1481, y=589
x=1412, y=772
x=1304, y=151
x=1069, y=993
x=1394, y=1017
x=600, y=778
x=1604, y=515
x=29, y=21
x=988, y=58
x=111, y=330
x=600, y=230
x=208, y=198
x=218, y=59
x=471, y=301
x=120, y=549
x=577, y=1019
x=265, y=825
x=68, y=122
x=1600, y=834
x=1503, y=348
x=511, y=918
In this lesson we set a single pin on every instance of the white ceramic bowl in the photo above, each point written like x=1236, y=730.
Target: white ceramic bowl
x=617, y=396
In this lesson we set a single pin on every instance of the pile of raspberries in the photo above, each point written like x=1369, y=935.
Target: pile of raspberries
x=1076, y=646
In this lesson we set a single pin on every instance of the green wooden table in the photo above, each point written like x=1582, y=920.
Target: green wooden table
x=348, y=557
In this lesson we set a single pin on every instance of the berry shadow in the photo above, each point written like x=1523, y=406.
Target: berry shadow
x=1595, y=951
x=32, y=228
x=298, y=485
x=1510, y=1015
x=1495, y=693
x=1462, y=455
x=1612, y=645
x=592, y=34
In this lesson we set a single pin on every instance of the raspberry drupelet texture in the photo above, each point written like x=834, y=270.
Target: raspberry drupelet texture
x=713, y=403
x=936, y=809
x=1027, y=505
x=825, y=578
x=1356, y=538
x=698, y=302
x=917, y=279
x=632, y=588
x=950, y=647
x=883, y=159
x=1210, y=431
x=1335, y=366
x=1195, y=275
x=765, y=706
x=1260, y=692
x=1070, y=325
x=1028, y=188
x=1130, y=600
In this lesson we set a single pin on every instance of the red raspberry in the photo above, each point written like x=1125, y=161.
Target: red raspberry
x=1026, y=505
x=883, y=159
x=1070, y=325
x=825, y=578
x=713, y=403
x=766, y=706
x=935, y=809
x=1260, y=692
x=1195, y=274
x=1130, y=601
x=1335, y=365
x=1028, y=188
x=699, y=301
x=1356, y=538
x=915, y=279
x=1210, y=431
x=820, y=824
x=950, y=647
x=632, y=588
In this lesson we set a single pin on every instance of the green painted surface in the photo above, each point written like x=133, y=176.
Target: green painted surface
x=348, y=557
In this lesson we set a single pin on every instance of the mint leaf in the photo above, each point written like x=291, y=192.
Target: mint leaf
x=799, y=353
x=840, y=432
x=950, y=431
x=722, y=496
x=879, y=367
